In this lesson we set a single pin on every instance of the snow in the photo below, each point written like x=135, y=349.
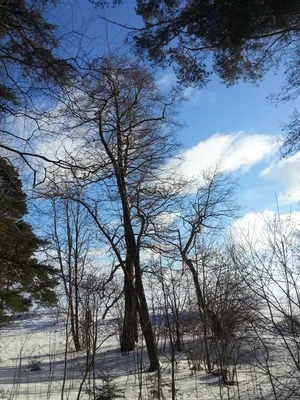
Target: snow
x=40, y=338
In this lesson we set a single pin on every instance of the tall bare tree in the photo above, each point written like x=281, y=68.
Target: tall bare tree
x=125, y=132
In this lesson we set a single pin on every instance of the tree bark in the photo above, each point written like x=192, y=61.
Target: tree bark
x=145, y=319
x=129, y=329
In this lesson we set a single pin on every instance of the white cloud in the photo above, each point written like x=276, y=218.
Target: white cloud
x=192, y=94
x=166, y=80
x=60, y=148
x=258, y=230
x=286, y=173
x=236, y=151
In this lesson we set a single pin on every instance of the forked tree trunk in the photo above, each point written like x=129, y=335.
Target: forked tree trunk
x=139, y=298
x=119, y=155
x=75, y=331
x=202, y=307
x=135, y=300
x=146, y=324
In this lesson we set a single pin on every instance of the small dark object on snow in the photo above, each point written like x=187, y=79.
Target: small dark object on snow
x=34, y=365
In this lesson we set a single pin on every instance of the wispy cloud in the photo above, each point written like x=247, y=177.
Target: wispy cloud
x=195, y=95
x=285, y=173
x=259, y=230
x=166, y=80
x=237, y=151
x=192, y=94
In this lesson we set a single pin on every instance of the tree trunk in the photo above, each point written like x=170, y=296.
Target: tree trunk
x=145, y=319
x=129, y=329
x=202, y=306
x=138, y=300
x=73, y=321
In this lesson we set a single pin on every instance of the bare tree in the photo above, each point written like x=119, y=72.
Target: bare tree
x=271, y=271
x=194, y=239
x=127, y=130
x=205, y=211
x=172, y=287
x=72, y=241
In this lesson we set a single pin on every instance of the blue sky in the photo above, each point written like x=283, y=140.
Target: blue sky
x=248, y=110
x=238, y=126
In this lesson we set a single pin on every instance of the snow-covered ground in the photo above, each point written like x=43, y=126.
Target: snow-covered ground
x=38, y=341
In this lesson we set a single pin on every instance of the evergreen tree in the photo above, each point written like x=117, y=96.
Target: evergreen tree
x=29, y=64
x=33, y=73
x=237, y=38
x=23, y=279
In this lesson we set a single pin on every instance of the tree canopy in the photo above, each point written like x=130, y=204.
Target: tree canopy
x=237, y=39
